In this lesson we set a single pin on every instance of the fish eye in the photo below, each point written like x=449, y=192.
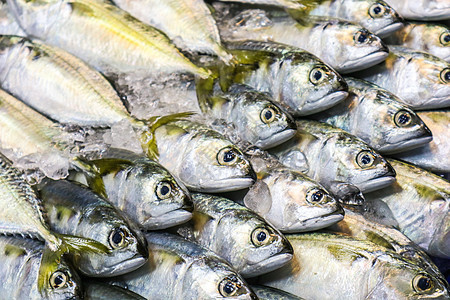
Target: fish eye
x=163, y=190
x=361, y=37
x=402, y=118
x=58, y=280
x=117, y=238
x=365, y=159
x=445, y=75
x=315, y=196
x=228, y=287
x=377, y=10
x=261, y=237
x=317, y=75
x=227, y=156
x=422, y=283
x=445, y=38
x=268, y=115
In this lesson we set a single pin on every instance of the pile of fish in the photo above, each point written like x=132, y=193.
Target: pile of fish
x=241, y=149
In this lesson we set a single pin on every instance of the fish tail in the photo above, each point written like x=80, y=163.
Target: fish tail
x=224, y=55
x=92, y=175
x=202, y=72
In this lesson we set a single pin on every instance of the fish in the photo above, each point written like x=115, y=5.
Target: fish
x=423, y=10
x=181, y=269
x=21, y=259
x=288, y=199
x=420, y=80
x=256, y=118
x=345, y=46
x=188, y=23
x=332, y=156
x=103, y=291
x=267, y=293
x=8, y=24
x=296, y=79
x=432, y=38
x=76, y=210
x=100, y=33
x=435, y=155
x=419, y=202
x=241, y=237
x=365, y=271
x=291, y=4
x=378, y=117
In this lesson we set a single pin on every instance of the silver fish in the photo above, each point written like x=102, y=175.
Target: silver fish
x=345, y=46
x=100, y=34
x=334, y=266
x=425, y=10
x=181, y=269
x=8, y=24
x=268, y=293
x=420, y=203
x=291, y=4
x=378, y=117
x=102, y=291
x=434, y=156
x=331, y=155
x=426, y=37
x=237, y=234
x=420, y=80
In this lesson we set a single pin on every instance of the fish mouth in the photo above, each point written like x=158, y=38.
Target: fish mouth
x=405, y=145
x=168, y=219
x=124, y=267
x=364, y=62
x=323, y=103
x=388, y=30
x=276, y=139
x=226, y=185
x=267, y=265
x=376, y=183
x=316, y=223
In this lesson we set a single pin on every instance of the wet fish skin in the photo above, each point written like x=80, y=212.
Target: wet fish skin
x=291, y=4
x=366, y=271
x=74, y=209
x=20, y=259
x=96, y=24
x=8, y=24
x=378, y=117
x=102, y=291
x=332, y=156
x=268, y=293
x=425, y=10
x=419, y=202
x=182, y=269
x=426, y=37
x=237, y=234
x=353, y=46
x=420, y=80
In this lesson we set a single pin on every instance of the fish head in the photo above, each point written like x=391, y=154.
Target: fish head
x=211, y=163
x=250, y=244
x=435, y=39
x=261, y=121
x=63, y=283
x=214, y=279
x=309, y=85
x=126, y=244
x=426, y=10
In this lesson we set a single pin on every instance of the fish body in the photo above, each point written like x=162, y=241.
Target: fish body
x=76, y=210
x=237, y=234
x=434, y=156
x=267, y=293
x=182, y=269
x=291, y=4
x=102, y=291
x=188, y=23
x=420, y=80
x=102, y=35
x=378, y=117
x=431, y=38
x=345, y=46
x=420, y=203
x=364, y=271
x=424, y=10
x=331, y=155
x=8, y=24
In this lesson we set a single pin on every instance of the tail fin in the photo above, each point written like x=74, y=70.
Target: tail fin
x=92, y=174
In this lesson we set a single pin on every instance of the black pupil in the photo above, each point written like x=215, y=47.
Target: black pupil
x=377, y=10
x=165, y=190
x=59, y=280
x=403, y=119
x=229, y=156
x=268, y=115
x=317, y=75
x=229, y=288
x=365, y=159
x=362, y=37
x=317, y=196
x=447, y=76
x=447, y=38
x=117, y=238
x=261, y=237
x=424, y=283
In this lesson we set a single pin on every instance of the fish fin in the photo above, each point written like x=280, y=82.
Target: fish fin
x=92, y=174
x=379, y=240
x=199, y=220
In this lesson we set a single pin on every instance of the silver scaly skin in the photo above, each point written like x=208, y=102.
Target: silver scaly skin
x=291, y=4
x=341, y=267
x=268, y=293
x=180, y=269
x=434, y=156
x=238, y=235
x=427, y=37
x=331, y=156
x=423, y=10
x=345, y=46
x=102, y=35
x=188, y=23
x=375, y=15
x=420, y=203
x=103, y=291
x=288, y=199
x=420, y=80
x=378, y=117
x=76, y=210
x=8, y=24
